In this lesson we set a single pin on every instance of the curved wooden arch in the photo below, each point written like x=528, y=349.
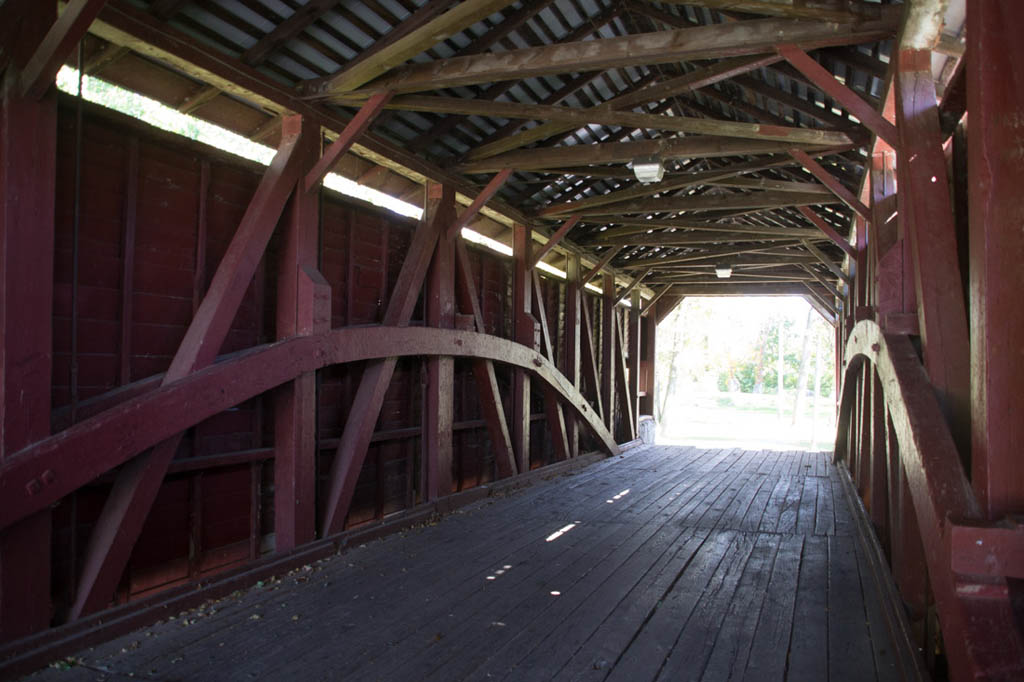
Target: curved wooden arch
x=977, y=619
x=44, y=472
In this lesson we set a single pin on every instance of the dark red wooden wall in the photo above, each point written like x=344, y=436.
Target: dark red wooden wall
x=155, y=214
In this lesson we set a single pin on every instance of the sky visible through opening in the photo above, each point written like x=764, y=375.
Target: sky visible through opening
x=717, y=374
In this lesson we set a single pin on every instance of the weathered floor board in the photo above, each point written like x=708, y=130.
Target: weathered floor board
x=669, y=563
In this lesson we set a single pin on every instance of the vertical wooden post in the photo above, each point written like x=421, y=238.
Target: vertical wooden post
x=131, y=197
x=941, y=312
x=303, y=307
x=573, y=301
x=139, y=480
x=608, y=350
x=28, y=159
x=995, y=154
x=524, y=333
x=879, y=462
x=648, y=357
x=634, y=357
x=440, y=312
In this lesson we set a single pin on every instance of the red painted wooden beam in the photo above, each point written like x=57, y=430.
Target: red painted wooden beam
x=523, y=331
x=353, y=130
x=633, y=357
x=128, y=504
x=608, y=351
x=41, y=71
x=828, y=231
x=928, y=221
x=439, y=406
x=995, y=68
x=621, y=380
x=369, y=398
x=554, y=240
x=485, y=195
x=303, y=308
x=590, y=360
x=573, y=303
x=552, y=409
x=830, y=181
x=483, y=370
x=850, y=100
x=981, y=638
x=657, y=296
x=28, y=171
x=605, y=260
x=632, y=285
x=119, y=434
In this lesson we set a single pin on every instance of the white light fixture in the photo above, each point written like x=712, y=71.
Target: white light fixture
x=648, y=169
x=723, y=271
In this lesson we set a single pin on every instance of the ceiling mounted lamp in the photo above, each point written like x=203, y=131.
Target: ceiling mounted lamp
x=723, y=271
x=648, y=169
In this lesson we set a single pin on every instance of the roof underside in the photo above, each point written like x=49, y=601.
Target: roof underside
x=723, y=119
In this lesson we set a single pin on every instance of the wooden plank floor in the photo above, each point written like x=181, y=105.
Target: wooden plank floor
x=669, y=563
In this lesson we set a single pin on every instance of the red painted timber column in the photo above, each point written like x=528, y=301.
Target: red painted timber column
x=633, y=384
x=608, y=357
x=440, y=312
x=648, y=336
x=932, y=238
x=995, y=98
x=524, y=327
x=28, y=161
x=573, y=304
x=303, y=308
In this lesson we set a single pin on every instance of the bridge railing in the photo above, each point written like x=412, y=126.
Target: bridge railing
x=894, y=438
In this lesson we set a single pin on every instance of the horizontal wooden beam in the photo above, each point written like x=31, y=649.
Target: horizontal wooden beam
x=740, y=289
x=822, y=10
x=579, y=117
x=126, y=25
x=698, y=78
x=460, y=17
x=769, y=184
x=643, y=226
x=694, y=238
x=714, y=41
x=708, y=202
x=695, y=255
x=694, y=147
x=736, y=256
x=674, y=181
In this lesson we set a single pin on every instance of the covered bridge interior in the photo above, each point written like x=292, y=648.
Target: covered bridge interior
x=214, y=371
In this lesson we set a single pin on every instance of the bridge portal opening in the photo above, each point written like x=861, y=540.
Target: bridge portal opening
x=718, y=368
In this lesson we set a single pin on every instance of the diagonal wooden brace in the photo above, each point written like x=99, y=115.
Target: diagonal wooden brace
x=355, y=439
x=483, y=370
x=138, y=482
